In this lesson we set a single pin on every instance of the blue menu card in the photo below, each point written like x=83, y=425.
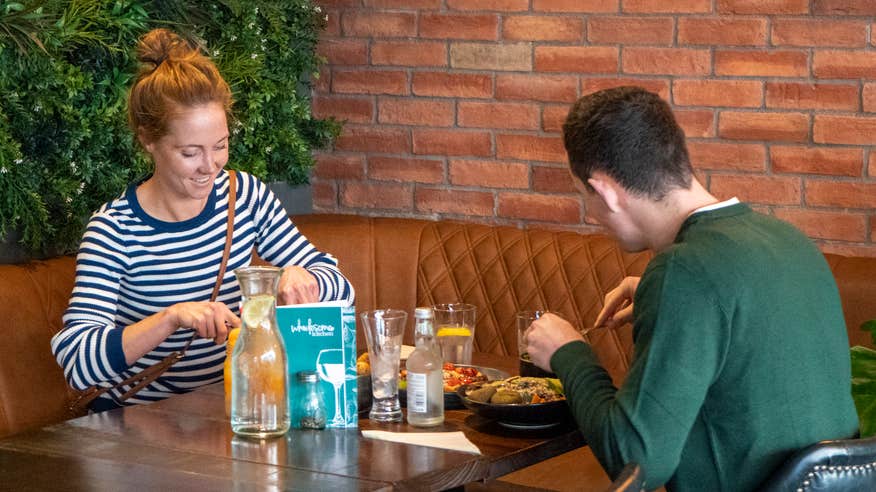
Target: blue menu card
x=321, y=337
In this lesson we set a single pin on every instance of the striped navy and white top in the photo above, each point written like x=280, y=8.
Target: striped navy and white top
x=131, y=265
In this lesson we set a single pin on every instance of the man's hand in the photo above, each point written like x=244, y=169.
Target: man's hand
x=297, y=286
x=547, y=334
x=618, y=306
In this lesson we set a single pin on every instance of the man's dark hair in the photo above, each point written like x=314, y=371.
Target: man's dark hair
x=631, y=135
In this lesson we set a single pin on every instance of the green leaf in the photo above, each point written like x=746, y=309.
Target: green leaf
x=864, y=387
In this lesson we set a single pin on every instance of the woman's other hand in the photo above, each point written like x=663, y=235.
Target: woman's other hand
x=618, y=306
x=297, y=286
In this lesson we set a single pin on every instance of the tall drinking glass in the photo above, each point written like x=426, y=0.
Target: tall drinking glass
x=527, y=368
x=384, y=329
x=455, y=327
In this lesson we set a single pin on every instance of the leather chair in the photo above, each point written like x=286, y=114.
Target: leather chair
x=631, y=479
x=840, y=465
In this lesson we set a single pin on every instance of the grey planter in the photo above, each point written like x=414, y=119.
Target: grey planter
x=297, y=199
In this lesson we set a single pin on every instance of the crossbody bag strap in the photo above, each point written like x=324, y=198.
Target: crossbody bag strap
x=153, y=372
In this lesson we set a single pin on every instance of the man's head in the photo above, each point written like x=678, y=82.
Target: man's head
x=630, y=135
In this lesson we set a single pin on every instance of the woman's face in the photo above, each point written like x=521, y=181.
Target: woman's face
x=191, y=154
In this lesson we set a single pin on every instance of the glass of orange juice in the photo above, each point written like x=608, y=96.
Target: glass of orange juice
x=455, y=328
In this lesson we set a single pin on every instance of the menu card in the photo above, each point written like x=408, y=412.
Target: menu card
x=321, y=337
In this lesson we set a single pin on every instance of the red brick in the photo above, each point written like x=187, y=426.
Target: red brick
x=378, y=24
x=553, y=88
x=872, y=228
x=552, y=180
x=630, y=30
x=767, y=190
x=844, y=129
x=870, y=97
x=864, y=251
x=363, y=138
x=339, y=166
x=722, y=31
x=763, y=6
x=575, y=6
x=323, y=80
x=801, y=95
x=816, y=160
x=404, y=4
x=826, y=225
x=357, y=194
x=807, y=33
x=836, y=64
x=530, y=148
x=405, y=169
x=546, y=208
x=871, y=166
x=663, y=6
x=442, y=84
x=846, y=194
x=669, y=61
x=696, y=123
x=369, y=82
x=452, y=142
x=657, y=86
x=553, y=117
x=589, y=59
x=339, y=3
x=332, y=24
x=325, y=195
x=727, y=156
x=489, y=174
x=414, y=54
x=844, y=7
x=395, y=111
x=542, y=28
x=483, y=27
x=785, y=127
x=728, y=93
x=351, y=109
x=344, y=51
x=761, y=63
x=494, y=5
x=517, y=116
x=491, y=56
x=459, y=202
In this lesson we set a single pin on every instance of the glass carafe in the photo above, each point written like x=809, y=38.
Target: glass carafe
x=259, y=402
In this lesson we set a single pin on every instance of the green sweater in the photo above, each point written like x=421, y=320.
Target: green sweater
x=741, y=357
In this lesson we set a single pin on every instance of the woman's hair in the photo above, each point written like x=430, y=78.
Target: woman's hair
x=173, y=75
x=631, y=135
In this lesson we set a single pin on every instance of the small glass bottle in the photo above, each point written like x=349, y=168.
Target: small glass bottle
x=425, y=374
x=311, y=407
x=259, y=402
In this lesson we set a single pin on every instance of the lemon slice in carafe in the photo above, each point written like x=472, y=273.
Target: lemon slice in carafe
x=256, y=309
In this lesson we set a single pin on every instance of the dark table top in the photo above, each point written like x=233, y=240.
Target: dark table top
x=186, y=443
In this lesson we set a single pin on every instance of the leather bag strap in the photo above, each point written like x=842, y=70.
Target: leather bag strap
x=145, y=377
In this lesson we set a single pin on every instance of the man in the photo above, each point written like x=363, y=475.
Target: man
x=741, y=353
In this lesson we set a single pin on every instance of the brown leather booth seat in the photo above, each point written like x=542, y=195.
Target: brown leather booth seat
x=392, y=262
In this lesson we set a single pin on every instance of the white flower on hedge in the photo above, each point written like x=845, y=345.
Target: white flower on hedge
x=3, y=170
x=215, y=53
x=268, y=149
x=317, y=9
x=254, y=56
x=19, y=161
x=233, y=37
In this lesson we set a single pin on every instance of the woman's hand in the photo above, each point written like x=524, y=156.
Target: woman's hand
x=297, y=286
x=618, y=306
x=208, y=319
x=547, y=334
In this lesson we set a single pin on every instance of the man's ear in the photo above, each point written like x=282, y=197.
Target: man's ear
x=607, y=189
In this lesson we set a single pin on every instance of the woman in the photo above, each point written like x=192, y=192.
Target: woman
x=149, y=259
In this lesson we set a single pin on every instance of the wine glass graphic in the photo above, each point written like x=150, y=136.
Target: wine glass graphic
x=330, y=367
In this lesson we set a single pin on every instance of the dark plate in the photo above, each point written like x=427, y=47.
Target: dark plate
x=451, y=399
x=519, y=416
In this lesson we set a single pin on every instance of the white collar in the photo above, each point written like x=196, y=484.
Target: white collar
x=715, y=206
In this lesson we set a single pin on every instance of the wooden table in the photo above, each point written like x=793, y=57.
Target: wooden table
x=186, y=443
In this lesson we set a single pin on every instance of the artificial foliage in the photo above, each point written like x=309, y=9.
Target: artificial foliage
x=65, y=69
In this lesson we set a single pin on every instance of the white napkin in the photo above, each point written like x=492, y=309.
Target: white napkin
x=455, y=441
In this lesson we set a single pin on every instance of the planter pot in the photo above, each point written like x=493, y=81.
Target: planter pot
x=296, y=199
x=11, y=252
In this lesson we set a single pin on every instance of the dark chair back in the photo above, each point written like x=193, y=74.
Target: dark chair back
x=631, y=479
x=841, y=465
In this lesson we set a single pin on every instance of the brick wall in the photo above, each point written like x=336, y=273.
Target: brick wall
x=453, y=108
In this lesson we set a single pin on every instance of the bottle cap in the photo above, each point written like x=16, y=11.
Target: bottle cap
x=308, y=376
x=423, y=312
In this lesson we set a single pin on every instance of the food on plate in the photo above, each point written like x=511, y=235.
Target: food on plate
x=363, y=365
x=454, y=377
x=517, y=390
